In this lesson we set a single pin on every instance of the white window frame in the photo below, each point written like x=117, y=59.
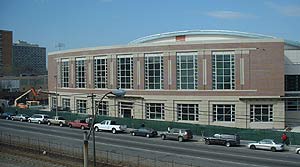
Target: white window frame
x=66, y=103
x=220, y=72
x=125, y=81
x=257, y=114
x=103, y=109
x=81, y=106
x=223, y=108
x=65, y=73
x=187, y=77
x=154, y=77
x=182, y=116
x=156, y=109
x=100, y=72
x=80, y=73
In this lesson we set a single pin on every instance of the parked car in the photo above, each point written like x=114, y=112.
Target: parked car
x=297, y=150
x=39, y=118
x=82, y=124
x=177, y=134
x=109, y=125
x=20, y=117
x=223, y=139
x=7, y=115
x=267, y=144
x=57, y=120
x=142, y=131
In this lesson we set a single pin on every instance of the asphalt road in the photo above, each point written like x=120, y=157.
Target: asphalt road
x=193, y=153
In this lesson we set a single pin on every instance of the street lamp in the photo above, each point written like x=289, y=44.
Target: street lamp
x=55, y=76
x=117, y=93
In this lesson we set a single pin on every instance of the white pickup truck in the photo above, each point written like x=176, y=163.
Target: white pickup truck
x=109, y=125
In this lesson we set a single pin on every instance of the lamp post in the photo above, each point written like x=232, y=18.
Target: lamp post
x=117, y=93
x=56, y=106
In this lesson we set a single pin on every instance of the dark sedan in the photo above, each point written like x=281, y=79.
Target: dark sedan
x=146, y=132
x=7, y=115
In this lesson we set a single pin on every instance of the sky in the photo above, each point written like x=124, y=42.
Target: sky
x=90, y=23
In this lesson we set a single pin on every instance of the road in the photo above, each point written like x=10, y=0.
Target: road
x=190, y=153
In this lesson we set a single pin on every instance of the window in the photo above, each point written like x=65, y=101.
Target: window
x=292, y=82
x=261, y=113
x=292, y=104
x=125, y=72
x=81, y=106
x=66, y=104
x=155, y=111
x=125, y=109
x=54, y=103
x=188, y=112
x=65, y=73
x=103, y=108
x=224, y=112
x=187, y=70
x=100, y=72
x=223, y=68
x=154, y=71
x=80, y=73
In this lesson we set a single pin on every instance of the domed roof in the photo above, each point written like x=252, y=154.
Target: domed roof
x=204, y=35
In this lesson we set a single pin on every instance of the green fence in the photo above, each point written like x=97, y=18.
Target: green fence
x=201, y=130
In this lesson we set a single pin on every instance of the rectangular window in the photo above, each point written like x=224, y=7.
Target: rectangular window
x=223, y=70
x=100, y=72
x=103, y=108
x=188, y=112
x=81, y=106
x=261, y=113
x=125, y=72
x=155, y=111
x=54, y=103
x=154, y=71
x=224, y=112
x=65, y=73
x=292, y=104
x=187, y=70
x=80, y=73
x=125, y=109
x=66, y=104
x=292, y=82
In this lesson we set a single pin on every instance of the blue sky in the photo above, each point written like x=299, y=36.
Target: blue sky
x=89, y=23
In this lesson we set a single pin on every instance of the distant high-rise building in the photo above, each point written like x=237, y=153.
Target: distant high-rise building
x=5, y=52
x=29, y=58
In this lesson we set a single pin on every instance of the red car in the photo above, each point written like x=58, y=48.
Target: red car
x=82, y=124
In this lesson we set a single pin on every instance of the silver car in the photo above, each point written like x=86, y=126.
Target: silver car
x=20, y=117
x=267, y=144
x=297, y=150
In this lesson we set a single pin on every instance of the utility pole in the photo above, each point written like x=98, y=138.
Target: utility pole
x=93, y=129
x=56, y=109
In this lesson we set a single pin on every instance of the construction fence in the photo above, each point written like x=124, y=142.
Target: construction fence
x=201, y=130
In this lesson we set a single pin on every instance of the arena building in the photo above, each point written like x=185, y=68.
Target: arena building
x=209, y=77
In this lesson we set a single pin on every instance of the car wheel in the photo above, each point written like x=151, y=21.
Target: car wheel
x=148, y=135
x=29, y=121
x=96, y=129
x=114, y=131
x=12, y=119
x=133, y=134
x=49, y=123
x=180, y=139
x=207, y=142
x=21, y=120
x=61, y=124
x=70, y=126
x=7, y=118
x=39, y=122
x=273, y=149
x=163, y=137
x=298, y=152
x=252, y=147
x=227, y=144
x=82, y=127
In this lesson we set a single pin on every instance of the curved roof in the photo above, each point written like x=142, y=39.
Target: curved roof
x=204, y=34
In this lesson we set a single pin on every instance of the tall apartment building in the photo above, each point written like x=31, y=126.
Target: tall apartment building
x=223, y=78
x=29, y=58
x=5, y=52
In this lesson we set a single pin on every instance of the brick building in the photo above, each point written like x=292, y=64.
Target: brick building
x=204, y=77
